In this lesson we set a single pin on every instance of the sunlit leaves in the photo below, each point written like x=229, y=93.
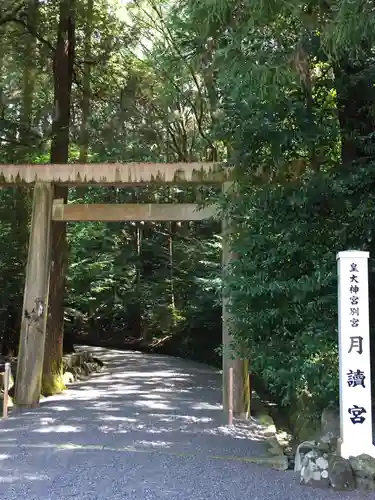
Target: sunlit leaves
x=283, y=285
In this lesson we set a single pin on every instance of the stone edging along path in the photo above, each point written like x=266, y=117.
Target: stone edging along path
x=77, y=366
x=263, y=416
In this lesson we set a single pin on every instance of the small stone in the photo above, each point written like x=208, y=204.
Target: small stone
x=340, y=473
x=313, y=465
x=324, y=474
x=322, y=463
x=365, y=484
x=324, y=447
x=310, y=473
x=68, y=378
x=303, y=449
x=363, y=466
x=330, y=427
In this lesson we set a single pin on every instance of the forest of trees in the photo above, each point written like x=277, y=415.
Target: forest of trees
x=282, y=90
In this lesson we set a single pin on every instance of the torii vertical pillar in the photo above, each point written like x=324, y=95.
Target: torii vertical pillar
x=35, y=303
x=230, y=359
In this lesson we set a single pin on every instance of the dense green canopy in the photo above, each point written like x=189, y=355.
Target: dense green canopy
x=282, y=89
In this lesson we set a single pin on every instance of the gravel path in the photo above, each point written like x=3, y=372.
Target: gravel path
x=145, y=428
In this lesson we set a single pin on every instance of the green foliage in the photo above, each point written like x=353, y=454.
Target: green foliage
x=152, y=281
x=14, y=212
x=296, y=108
x=284, y=90
x=144, y=104
x=283, y=284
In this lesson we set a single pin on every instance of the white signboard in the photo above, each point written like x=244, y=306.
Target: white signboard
x=354, y=354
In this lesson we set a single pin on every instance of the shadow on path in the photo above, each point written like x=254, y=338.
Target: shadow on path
x=145, y=427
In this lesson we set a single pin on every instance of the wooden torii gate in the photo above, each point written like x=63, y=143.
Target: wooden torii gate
x=47, y=211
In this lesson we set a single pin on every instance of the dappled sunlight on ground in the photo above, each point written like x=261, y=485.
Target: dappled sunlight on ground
x=141, y=428
x=28, y=477
x=137, y=396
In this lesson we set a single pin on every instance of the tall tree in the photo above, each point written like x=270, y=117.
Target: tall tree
x=86, y=83
x=63, y=71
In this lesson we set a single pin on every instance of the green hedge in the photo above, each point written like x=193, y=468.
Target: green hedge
x=284, y=284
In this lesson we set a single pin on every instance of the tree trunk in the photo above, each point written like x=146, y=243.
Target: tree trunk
x=355, y=103
x=29, y=73
x=20, y=233
x=85, y=104
x=84, y=139
x=172, y=228
x=142, y=328
x=63, y=77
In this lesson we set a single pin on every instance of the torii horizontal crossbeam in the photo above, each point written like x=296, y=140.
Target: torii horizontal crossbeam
x=131, y=212
x=115, y=174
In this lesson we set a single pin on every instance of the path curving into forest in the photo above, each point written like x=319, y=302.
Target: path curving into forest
x=147, y=427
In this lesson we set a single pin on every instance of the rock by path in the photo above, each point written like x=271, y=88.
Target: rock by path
x=147, y=427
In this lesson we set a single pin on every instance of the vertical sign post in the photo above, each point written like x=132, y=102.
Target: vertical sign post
x=230, y=396
x=6, y=390
x=354, y=354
